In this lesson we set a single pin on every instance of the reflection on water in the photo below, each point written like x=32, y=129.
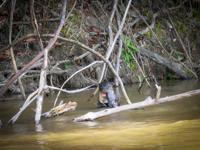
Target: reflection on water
x=173, y=125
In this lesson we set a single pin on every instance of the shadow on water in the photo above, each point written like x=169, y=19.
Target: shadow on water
x=173, y=125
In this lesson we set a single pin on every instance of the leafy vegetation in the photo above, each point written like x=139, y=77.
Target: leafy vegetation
x=158, y=29
x=178, y=55
x=128, y=51
x=68, y=29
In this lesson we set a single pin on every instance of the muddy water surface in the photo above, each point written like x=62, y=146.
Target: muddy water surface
x=169, y=126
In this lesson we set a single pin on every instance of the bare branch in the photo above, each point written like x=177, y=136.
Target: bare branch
x=35, y=24
x=86, y=67
x=110, y=22
x=13, y=2
x=3, y=3
x=79, y=44
x=28, y=101
x=70, y=91
x=43, y=74
x=111, y=47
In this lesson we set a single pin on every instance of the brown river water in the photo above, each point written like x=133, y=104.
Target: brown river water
x=170, y=126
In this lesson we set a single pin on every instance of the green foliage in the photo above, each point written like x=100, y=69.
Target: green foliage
x=128, y=51
x=149, y=34
x=129, y=45
x=67, y=66
x=158, y=29
x=65, y=30
x=178, y=55
x=68, y=28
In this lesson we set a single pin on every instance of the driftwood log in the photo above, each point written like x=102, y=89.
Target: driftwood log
x=147, y=102
x=60, y=109
x=175, y=67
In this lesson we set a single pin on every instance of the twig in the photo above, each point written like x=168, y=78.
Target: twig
x=117, y=64
x=35, y=24
x=111, y=47
x=75, y=58
x=40, y=21
x=150, y=27
x=110, y=22
x=95, y=62
x=28, y=101
x=140, y=68
x=102, y=58
x=3, y=3
x=13, y=2
x=70, y=91
x=179, y=38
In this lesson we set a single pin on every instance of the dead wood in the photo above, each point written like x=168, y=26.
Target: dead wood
x=42, y=84
x=14, y=64
x=147, y=102
x=60, y=109
x=175, y=67
x=3, y=3
x=43, y=74
x=10, y=81
x=29, y=64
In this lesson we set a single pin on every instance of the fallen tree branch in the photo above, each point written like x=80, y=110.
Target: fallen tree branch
x=60, y=109
x=177, y=68
x=147, y=102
